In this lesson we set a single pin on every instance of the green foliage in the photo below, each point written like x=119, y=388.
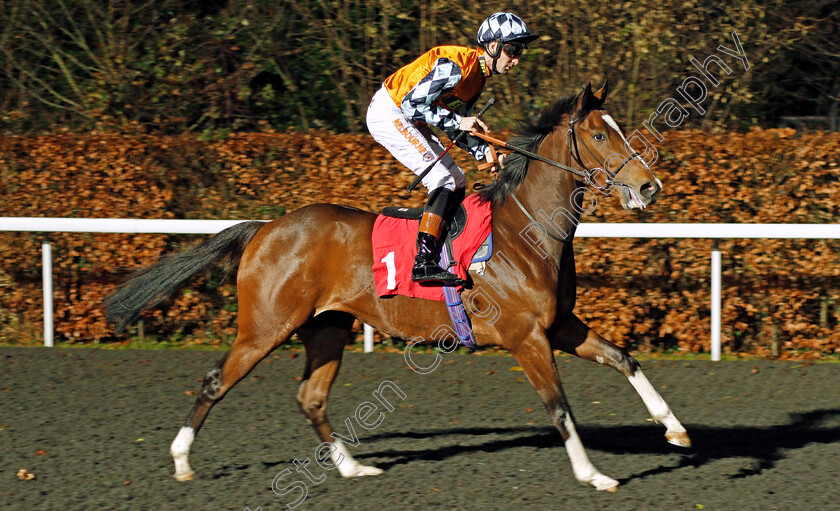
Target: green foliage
x=197, y=66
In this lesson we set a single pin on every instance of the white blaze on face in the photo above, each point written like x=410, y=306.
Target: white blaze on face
x=614, y=125
x=634, y=202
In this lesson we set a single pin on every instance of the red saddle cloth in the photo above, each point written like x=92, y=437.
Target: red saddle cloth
x=395, y=245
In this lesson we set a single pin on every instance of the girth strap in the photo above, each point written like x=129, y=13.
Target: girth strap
x=456, y=309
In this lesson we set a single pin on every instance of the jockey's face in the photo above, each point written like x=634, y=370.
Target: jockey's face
x=505, y=62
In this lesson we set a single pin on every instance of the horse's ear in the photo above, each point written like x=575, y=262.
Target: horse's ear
x=601, y=95
x=587, y=94
x=584, y=99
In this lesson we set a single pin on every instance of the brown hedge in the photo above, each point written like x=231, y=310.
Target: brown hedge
x=780, y=296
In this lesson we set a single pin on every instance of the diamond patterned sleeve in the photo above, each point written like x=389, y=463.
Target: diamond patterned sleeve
x=475, y=146
x=417, y=104
x=467, y=107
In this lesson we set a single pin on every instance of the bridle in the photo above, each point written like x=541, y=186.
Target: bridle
x=586, y=174
x=575, y=155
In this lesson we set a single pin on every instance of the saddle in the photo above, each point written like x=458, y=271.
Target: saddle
x=467, y=245
x=453, y=229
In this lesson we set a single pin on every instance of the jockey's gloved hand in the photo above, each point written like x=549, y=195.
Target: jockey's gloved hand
x=501, y=159
x=472, y=123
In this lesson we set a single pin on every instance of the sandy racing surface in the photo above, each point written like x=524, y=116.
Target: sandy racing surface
x=94, y=428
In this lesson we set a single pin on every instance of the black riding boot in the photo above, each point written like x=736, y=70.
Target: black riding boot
x=426, y=267
x=426, y=263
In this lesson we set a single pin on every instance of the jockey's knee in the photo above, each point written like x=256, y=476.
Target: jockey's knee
x=459, y=181
x=444, y=181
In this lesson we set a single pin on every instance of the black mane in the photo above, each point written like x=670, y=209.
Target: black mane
x=528, y=137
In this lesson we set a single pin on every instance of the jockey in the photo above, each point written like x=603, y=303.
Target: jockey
x=439, y=89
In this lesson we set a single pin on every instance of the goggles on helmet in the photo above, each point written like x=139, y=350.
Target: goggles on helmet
x=513, y=51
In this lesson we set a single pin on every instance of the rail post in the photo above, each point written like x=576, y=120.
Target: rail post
x=368, y=338
x=46, y=278
x=715, y=304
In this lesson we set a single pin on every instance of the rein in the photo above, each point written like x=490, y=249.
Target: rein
x=574, y=155
x=586, y=175
x=501, y=143
x=538, y=223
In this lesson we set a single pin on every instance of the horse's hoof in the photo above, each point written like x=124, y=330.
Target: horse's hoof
x=364, y=470
x=370, y=471
x=360, y=470
x=678, y=438
x=187, y=476
x=604, y=483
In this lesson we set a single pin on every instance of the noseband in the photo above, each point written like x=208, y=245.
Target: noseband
x=587, y=173
x=574, y=155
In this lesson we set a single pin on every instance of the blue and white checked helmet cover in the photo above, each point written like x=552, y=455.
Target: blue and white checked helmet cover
x=504, y=27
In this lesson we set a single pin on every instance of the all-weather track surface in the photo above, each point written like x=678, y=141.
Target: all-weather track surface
x=94, y=428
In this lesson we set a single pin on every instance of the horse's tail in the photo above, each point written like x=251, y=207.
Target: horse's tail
x=149, y=286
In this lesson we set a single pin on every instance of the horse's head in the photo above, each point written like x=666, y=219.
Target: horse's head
x=598, y=144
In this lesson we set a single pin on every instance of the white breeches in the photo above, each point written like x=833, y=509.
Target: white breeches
x=415, y=146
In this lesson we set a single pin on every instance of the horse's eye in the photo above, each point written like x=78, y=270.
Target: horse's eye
x=599, y=137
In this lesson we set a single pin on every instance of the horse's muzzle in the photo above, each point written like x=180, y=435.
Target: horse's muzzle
x=640, y=197
x=650, y=192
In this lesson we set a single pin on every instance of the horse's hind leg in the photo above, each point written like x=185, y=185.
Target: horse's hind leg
x=324, y=337
x=253, y=342
x=180, y=447
x=576, y=338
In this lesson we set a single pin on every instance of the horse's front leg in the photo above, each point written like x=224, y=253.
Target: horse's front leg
x=324, y=338
x=576, y=338
x=537, y=361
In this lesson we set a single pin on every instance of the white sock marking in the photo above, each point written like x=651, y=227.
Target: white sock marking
x=583, y=469
x=180, y=451
x=347, y=465
x=657, y=406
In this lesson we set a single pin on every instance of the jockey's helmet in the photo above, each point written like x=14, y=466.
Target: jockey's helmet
x=504, y=27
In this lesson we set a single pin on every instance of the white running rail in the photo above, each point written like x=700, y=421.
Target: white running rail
x=584, y=230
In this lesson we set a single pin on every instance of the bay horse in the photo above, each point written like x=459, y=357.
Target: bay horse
x=309, y=272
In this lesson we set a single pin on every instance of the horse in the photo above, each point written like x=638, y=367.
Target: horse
x=309, y=272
